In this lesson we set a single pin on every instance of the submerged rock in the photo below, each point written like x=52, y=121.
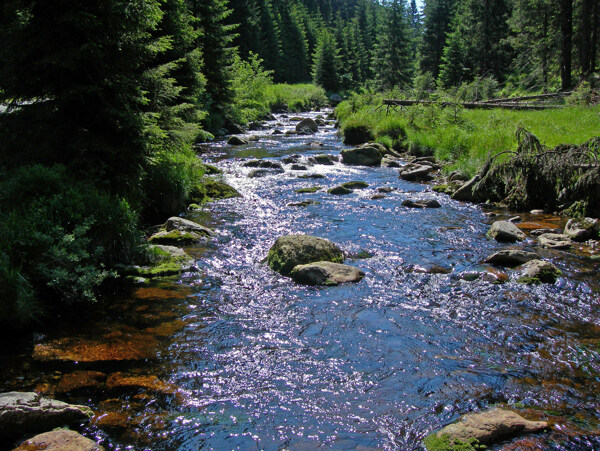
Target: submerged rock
x=292, y=250
x=505, y=232
x=123, y=381
x=582, y=229
x=539, y=271
x=511, y=257
x=554, y=241
x=367, y=155
x=79, y=380
x=23, y=412
x=326, y=273
x=305, y=203
x=482, y=429
x=59, y=440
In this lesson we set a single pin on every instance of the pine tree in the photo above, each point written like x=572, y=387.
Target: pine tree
x=326, y=68
x=436, y=25
x=72, y=69
x=393, y=63
x=216, y=45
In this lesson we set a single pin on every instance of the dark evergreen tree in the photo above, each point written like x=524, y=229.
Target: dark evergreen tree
x=392, y=61
x=326, y=68
x=72, y=70
x=216, y=45
x=436, y=25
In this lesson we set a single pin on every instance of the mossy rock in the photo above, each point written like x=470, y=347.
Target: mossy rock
x=159, y=261
x=339, y=191
x=539, y=271
x=292, y=250
x=209, y=169
x=174, y=237
x=433, y=442
x=311, y=190
x=211, y=190
x=355, y=185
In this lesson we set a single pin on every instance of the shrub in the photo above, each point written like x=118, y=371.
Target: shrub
x=58, y=236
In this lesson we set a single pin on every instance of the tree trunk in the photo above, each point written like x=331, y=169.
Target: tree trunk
x=595, y=38
x=585, y=38
x=566, y=30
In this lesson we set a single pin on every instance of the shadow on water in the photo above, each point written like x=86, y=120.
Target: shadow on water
x=238, y=357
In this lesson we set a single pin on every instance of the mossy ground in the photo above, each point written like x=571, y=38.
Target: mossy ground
x=433, y=442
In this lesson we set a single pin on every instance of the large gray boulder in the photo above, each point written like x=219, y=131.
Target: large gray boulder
x=483, y=428
x=307, y=123
x=24, y=412
x=60, y=440
x=582, y=229
x=292, y=250
x=362, y=156
x=326, y=273
x=511, y=257
x=506, y=232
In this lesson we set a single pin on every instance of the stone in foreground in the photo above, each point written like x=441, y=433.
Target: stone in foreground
x=28, y=412
x=292, y=250
x=511, y=257
x=539, y=271
x=326, y=273
x=505, y=232
x=60, y=440
x=482, y=429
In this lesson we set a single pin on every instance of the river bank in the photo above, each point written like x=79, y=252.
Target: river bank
x=235, y=355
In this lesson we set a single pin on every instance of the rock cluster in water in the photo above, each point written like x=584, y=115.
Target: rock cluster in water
x=311, y=260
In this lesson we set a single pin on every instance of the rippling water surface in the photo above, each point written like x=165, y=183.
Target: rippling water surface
x=258, y=362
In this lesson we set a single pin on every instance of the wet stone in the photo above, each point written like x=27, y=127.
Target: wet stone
x=555, y=241
x=123, y=381
x=326, y=273
x=59, y=440
x=504, y=231
x=427, y=203
x=538, y=271
x=339, y=191
x=80, y=380
x=511, y=257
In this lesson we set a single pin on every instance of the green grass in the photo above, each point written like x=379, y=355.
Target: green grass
x=466, y=137
x=295, y=98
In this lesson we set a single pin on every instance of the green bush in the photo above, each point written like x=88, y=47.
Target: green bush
x=58, y=237
x=170, y=178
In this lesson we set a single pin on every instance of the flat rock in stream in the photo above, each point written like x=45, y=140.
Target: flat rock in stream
x=326, y=273
x=426, y=203
x=505, y=232
x=511, y=257
x=355, y=185
x=292, y=250
x=59, y=440
x=327, y=160
x=23, y=412
x=554, y=241
x=418, y=173
x=483, y=428
x=582, y=229
x=339, y=190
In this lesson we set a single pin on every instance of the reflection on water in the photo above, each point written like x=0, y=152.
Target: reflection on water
x=238, y=357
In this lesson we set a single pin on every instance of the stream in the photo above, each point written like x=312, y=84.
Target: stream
x=236, y=356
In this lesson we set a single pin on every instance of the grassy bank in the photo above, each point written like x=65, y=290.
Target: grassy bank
x=464, y=138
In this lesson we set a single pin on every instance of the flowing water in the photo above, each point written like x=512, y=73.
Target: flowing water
x=235, y=356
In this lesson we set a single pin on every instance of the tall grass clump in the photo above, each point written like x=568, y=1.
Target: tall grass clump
x=295, y=98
